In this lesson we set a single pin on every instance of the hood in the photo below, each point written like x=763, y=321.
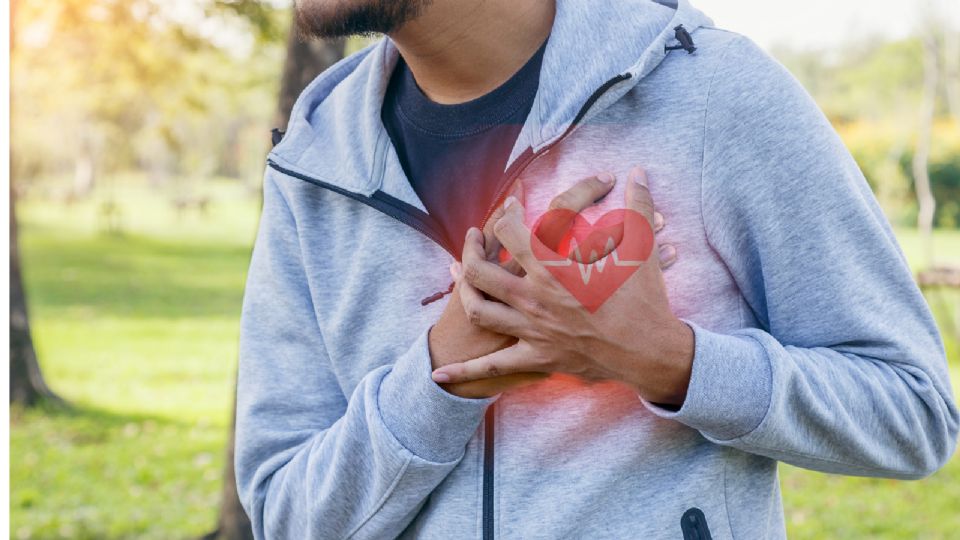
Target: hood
x=591, y=44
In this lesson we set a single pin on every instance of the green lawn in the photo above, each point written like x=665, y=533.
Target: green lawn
x=139, y=332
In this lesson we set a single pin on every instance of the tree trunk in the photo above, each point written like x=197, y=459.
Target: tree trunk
x=305, y=60
x=921, y=178
x=27, y=386
x=84, y=168
x=233, y=523
x=951, y=56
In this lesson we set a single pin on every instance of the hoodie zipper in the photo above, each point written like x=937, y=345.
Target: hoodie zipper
x=388, y=204
x=510, y=176
x=426, y=225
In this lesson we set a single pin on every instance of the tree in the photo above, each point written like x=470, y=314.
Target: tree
x=921, y=154
x=304, y=61
x=27, y=386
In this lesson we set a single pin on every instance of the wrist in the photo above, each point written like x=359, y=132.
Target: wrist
x=664, y=375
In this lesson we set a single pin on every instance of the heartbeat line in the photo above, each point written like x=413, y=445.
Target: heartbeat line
x=587, y=268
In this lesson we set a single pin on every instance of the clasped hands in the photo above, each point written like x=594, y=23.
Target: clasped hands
x=512, y=324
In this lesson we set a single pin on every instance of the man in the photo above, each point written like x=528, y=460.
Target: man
x=652, y=400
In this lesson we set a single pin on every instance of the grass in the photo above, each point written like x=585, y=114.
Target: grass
x=139, y=332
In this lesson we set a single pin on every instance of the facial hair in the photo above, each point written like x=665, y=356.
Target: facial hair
x=330, y=19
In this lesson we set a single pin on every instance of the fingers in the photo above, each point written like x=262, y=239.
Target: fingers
x=490, y=242
x=667, y=254
x=516, y=238
x=515, y=359
x=571, y=202
x=511, y=265
x=637, y=195
x=584, y=193
x=485, y=275
x=491, y=315
x=657, y=221
x=489, y=387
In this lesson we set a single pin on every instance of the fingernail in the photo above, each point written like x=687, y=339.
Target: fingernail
x=657, y=220
x=510, y=200
x=667, y=251
x=606, y=178
x=639, y=176
x=455, y=270
x=440, y=377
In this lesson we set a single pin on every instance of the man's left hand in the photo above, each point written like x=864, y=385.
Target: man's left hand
x=633, y=337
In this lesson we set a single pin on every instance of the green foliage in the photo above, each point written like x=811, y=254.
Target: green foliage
x=884, y=152
x=869, y=81
x=261, y=16
x=943, y=167
x=145, y=84
x=871, y=92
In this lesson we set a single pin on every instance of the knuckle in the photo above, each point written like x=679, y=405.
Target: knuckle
x=542, y=362
x=493, y=371
x=540, y=275
x=563, y=200
x=534, y=307
x=595, y=185
x=641, y=194
x=523, y=252
x=501, y=226
x=473, y=314
x=471, y=272
x=509, y=289
x=643, y=203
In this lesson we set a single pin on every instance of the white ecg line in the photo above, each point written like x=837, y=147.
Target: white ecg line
x=587, y=268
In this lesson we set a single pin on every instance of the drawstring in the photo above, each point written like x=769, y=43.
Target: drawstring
x=686, y=42
x=437, y=295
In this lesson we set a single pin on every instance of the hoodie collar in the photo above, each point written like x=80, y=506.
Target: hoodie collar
x=590, y=43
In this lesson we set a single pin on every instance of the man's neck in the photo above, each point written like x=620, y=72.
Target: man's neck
x=459, y=50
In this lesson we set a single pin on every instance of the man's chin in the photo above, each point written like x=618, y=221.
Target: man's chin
x=330, y=19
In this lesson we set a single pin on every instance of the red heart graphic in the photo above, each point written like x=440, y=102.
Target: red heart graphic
x=625, y=233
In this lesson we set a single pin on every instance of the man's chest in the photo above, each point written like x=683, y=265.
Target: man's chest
x=368, y=272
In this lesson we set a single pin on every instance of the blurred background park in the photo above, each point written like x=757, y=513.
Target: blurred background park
x=138, y=138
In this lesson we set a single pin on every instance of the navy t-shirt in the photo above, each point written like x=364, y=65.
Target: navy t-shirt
x=454, y=155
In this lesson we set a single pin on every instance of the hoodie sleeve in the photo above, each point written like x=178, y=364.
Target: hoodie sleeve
x=312, y=462
x=847, y=373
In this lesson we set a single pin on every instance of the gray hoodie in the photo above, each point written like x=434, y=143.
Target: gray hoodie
x=813, y=345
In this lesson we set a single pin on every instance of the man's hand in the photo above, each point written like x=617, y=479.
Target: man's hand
x=455, y=339
x=633, y=337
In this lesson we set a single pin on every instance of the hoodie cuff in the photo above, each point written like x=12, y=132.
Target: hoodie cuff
x=426, y=419
x=730, y=386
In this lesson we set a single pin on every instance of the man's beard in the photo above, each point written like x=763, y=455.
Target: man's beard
x=328, y=19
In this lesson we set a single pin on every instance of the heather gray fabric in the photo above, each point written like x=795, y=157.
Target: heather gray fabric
x=813, y=344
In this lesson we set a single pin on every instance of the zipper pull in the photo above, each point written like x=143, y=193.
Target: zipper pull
x=686, y=41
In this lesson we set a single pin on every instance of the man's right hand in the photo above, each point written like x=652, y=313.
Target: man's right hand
x=455, y=339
